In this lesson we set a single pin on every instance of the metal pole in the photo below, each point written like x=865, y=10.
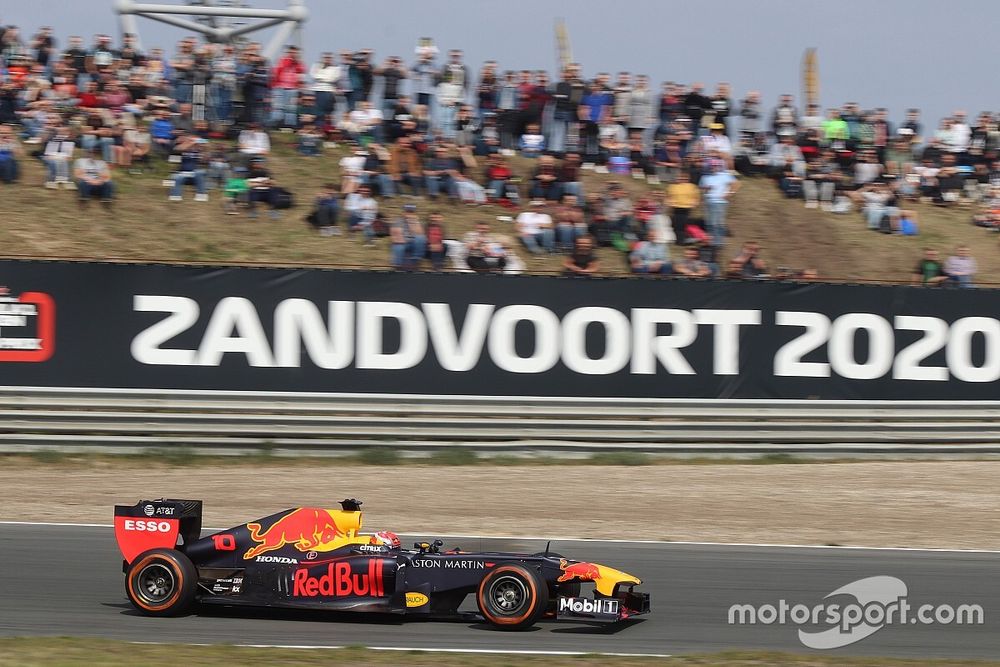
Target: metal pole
x=182, y=23
x=279, y=40
x=238, y=12
x=128, y=25
x=242, y=30
x=219, y=31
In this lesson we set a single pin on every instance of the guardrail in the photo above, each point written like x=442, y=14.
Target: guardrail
x=33, y=418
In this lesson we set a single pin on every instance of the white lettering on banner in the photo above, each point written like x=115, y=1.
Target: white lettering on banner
x=501, y=339
x=298, y=322
x=907, y=365
x=856, y=346
x=843, y=351
x=412, y=335
x=959, y=351
x=726, y=346
x=20, y=343
x=234, y=313
x=616, y=341
x=146, y=345
x=458, y=352
x=788, y=360
x=646, y=344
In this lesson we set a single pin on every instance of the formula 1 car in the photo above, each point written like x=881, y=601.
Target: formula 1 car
x=313, y=558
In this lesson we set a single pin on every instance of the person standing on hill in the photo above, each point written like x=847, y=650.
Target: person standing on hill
x=325, y=75
x=285, y=81
x=569, y=93
x=719, y=187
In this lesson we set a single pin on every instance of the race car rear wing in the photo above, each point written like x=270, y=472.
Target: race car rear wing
x=153, y=524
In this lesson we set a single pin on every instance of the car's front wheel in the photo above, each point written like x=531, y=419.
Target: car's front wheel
x=512, y=597
x=161, y=582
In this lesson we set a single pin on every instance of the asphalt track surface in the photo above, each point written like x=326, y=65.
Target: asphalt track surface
x=67, y=580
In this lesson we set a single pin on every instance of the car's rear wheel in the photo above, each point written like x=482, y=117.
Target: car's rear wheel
x=512, y=597
x=161, y=582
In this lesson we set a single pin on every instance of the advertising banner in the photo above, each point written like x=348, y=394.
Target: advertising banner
x=174, y=327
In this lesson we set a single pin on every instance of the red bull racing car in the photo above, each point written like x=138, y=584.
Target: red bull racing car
x=313, y=558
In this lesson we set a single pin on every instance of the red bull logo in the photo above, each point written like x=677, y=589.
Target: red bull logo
x=580, y=571
x=306, y=528
x=340, y=581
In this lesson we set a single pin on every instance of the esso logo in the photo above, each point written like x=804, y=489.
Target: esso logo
x=147, y=526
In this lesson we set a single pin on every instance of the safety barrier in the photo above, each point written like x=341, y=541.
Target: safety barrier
x=34, y=418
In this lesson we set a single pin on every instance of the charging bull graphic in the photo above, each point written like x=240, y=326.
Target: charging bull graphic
x=306, y=528
x=580, y=571
x=606, y=579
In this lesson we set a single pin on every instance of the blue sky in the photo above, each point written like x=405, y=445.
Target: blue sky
x=935, y=55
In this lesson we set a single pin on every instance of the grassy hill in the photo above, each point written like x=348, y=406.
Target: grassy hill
x=144, y=225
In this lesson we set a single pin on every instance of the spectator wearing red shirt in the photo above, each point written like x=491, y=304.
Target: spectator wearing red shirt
x=525, y=93
x=91, y=98
x=286, y=79
x=435, y=240
x=498, y=175
x=538, y=97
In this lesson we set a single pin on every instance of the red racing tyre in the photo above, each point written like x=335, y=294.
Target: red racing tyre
x=161, y=582
x=512, y=597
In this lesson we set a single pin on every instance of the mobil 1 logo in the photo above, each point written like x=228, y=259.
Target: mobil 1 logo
x=589, y=608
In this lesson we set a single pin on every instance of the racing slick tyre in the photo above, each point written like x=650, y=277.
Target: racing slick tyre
x=512, y=597
x=161, y=582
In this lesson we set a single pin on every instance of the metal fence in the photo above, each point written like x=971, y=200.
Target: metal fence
x=34, y=418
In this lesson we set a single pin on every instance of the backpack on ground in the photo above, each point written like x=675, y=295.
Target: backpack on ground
x=282, y=198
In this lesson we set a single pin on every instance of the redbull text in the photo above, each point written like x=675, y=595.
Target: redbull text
x=340, y=581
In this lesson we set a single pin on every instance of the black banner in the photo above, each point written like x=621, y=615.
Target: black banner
x=172, y=327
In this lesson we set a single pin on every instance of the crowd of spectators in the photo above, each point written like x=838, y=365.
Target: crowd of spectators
x=852, y=159
x=432, y=129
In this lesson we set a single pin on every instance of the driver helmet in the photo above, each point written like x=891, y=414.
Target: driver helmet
x=386, y=539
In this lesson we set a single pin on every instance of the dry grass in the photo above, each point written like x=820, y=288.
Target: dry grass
x=72, y=652
x=145, y=226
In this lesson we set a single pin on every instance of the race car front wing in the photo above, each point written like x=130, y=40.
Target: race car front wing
x=623, y=605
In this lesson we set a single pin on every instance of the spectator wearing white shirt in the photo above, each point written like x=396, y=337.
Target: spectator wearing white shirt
x=364, y=122
x=718, y=144
x=961, y=267
x=93, y=178
x=362, y=211
x=254, y=141
x=641, y=109
x=650, y=256
x=786, y=156
x=534, y=228
x=325, y=75
x=351, y=168
x=58, y=154
x=813, y=120
x=961, y=132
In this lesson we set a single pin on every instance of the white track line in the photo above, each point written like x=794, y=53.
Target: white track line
x=485, y=651
x=597, y=540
